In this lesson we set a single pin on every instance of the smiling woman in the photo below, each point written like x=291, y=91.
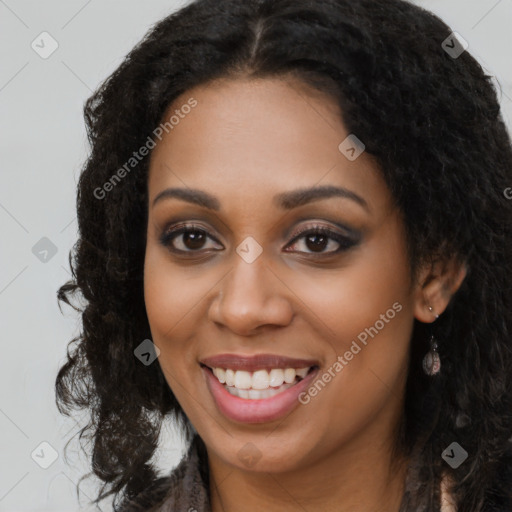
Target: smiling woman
x=320, y=253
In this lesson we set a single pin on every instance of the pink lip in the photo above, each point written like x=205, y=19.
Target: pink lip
x=256, y=362
x=256, y=411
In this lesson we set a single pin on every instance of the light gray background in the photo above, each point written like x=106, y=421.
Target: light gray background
x=43, y=146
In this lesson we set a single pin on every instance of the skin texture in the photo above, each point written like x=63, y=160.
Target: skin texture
x=246, y=141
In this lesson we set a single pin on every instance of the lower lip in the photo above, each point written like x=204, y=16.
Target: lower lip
x=256, y=411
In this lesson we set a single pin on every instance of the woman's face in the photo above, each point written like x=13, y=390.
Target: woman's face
x=243, y=292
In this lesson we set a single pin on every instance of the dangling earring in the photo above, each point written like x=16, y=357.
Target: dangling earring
x=432, y=361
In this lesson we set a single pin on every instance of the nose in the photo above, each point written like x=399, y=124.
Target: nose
x=251, y=298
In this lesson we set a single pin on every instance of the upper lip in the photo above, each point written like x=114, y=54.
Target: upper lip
x=255, y=362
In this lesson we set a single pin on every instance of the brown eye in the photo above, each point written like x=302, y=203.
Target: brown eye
x=186, y=239
x=319, y=238
x=317, y=242
x=193, y=239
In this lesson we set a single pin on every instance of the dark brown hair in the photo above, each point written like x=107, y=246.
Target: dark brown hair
x=433, y=123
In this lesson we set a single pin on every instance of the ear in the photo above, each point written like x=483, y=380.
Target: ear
x=436, y=284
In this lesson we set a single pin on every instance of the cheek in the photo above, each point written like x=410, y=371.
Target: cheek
x=169, y=299
x=366, y=309
x=373, y=281
x=176, y=298
x=171, y=292
x=169, y=303
x=368, y=306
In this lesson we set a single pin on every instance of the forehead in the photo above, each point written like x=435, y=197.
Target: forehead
x=250, y=137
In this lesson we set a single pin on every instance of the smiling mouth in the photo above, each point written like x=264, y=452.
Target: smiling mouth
x=259, y=384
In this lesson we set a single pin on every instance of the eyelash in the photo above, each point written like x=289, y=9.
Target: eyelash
x=344, y=242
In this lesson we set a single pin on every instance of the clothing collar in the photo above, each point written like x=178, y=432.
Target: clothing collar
x=188, y=488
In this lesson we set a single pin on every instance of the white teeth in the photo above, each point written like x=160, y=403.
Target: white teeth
x=220, y=373
x=302, y=372
x=259, y=381
x=243, y=380
x=289, y=375
x=254, y=394
x=230, y=378
x=276, y=378
x=242, y=393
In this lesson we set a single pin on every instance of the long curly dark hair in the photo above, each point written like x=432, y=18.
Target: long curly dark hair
x=433, y=123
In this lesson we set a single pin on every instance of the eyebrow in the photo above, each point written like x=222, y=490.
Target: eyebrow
x=301, y=196
x=285, y=200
